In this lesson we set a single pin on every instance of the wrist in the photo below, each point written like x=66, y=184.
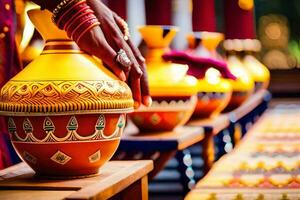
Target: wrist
x=48, y=4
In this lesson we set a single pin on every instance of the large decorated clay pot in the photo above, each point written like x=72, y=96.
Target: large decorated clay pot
x=65, y=110
x=243, y=86
x=172, y=90
x=214, y=92
x=258, y=71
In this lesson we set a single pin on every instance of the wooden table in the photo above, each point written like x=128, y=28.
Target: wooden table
x=231, y=121
x=159, y=147
x=212, y=128
x=120, y=180
x=162, y=146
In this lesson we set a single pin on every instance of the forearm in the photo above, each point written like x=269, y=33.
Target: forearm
x=48, y=4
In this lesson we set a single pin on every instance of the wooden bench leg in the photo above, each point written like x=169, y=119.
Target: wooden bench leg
x=138, y=191
x=161, y=162
x=187, y=174
x=208, y=152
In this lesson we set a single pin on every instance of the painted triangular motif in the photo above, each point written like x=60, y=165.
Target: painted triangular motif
x=100, y=124
x=73, y=124
x=11, y=125
x=27, y=126
x=48, y=125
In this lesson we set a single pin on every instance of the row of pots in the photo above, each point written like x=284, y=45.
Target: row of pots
x=196, y=82
x=66, y=111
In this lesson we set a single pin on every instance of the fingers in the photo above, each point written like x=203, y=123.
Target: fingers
x=146, y=98
x=120, y=43
x=94, y=43
x=112, y=31
x=134, y=83
x=135, y=74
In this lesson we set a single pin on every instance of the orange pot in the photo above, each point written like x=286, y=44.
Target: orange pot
x=214, y=92
x=258, y=71
x=65, y=110
x=172, y=90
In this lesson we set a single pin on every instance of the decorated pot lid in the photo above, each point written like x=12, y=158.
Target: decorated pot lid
x=63, y=80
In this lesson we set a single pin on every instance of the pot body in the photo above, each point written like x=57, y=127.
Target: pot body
x=242, y=87
x=213, y=95
x=65, y=110
x=259, y=72
x=172, y=90
x=214, y=91
x=164, y=114
x=66, y=145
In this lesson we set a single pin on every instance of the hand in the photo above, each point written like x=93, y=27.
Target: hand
x=106, y=40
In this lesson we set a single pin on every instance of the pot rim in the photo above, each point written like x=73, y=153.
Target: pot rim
x=76, y=112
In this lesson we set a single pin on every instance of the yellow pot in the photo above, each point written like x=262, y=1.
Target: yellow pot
x=65, y=110
x=172, y=90
x=258, y=71
x=242, y=87
x=214, y=92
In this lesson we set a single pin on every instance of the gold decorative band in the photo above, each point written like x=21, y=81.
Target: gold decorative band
x=61, y=97
x=173, y=106
x=72, y=133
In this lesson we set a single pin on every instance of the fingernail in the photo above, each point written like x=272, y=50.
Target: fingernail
x=140, y=71
x=122, y=76
x=136, y=105
x=142, y=58
x=147, y=101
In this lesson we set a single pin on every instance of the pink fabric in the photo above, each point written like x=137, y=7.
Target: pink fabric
x=198, y=65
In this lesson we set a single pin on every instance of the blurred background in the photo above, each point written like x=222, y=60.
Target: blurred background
x=277, y=27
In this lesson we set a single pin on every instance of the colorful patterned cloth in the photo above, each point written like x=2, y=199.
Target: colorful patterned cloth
x=9, y=66
x=265, y=164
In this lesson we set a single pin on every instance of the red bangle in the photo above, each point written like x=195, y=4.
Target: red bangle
x=87, y=29
x=83, y=27
x=74, y=13
x=82, y=24
x=77, y=19
x=80, y=5
x=87, y=19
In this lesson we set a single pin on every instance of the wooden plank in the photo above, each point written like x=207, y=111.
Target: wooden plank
x=208, y=152
x=114, y=177
x=255, y=100
x=178, y=139
x=33, y=194
x=138, y=190
x=214, y=125
x=106, y=188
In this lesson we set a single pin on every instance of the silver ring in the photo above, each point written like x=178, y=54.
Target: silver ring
x=123, y=59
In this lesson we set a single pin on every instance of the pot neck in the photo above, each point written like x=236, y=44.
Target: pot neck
x=155, y=54
x=61, y=46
